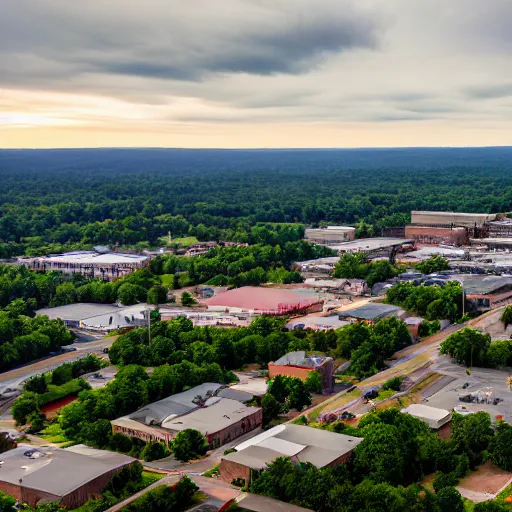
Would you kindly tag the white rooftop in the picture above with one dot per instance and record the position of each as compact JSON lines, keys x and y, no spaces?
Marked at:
{"x":432,"y":416}
{"x":94,"y":258}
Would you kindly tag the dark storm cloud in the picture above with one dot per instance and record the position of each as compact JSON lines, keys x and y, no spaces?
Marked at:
{"x":169,"y":40}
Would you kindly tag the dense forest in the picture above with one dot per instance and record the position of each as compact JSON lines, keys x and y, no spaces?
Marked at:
{"x":57,"y":199}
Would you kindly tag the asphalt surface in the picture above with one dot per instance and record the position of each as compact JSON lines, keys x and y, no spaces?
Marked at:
{"x":13,"y":378}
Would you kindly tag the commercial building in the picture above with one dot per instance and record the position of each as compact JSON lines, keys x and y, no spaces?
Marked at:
{"x":318,"y":265}
{"x":298,"y":364}
{"x":435,"y":418}
{"x":217,"y":412}
{"x":316,"y":322}
{"x":378,"y":245}
{"x":485,"y":292}
{"x":69,"y":477}
{"x":330,"y":234}
{"x":299,"y":443}
{"x":448,"y":219}
{"x":262,"y":300}
{"x":447,"y":227}
{"x":372,"y":312}
{"x":88,"y":263}
{"x":437,"y":235}
{"x":504,"y":244}
{"x":98,"y":317}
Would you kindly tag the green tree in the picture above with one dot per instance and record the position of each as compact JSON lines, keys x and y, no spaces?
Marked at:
{"x":36,"y":384}
{"x":62,"y":374}
{"x":189,"y":444}
{"x":154,"y":450}
{"x":506,"y":316}
{"x":270,"y":408}
{"x":278,"y":388}
{"x":187,"y":299}
{"x":433,"y":264}
{"x":490,"y":506}
{"x":449,"y":500}
{"x":157,"y":295}
{"x":471,"y":435}
{"x":24,"y":406}
{"x":500,"y":353}
{"x":313,"y":382}
{"x":380,"y":454}
{"x":129,"y":294}
{"x":467,"y":347}
{"x":7,"y":503}
{"x":298,"y":397}
{"x":500,"y":447}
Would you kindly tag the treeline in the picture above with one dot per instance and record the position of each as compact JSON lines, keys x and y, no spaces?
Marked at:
{"x":356,"y":266}
{"x":470,"y":347}
{"x":430,"y":302}
{"x":59,"y":199}
{"x":41,"y":389}
{"x":369,"y":346}
{"x":241,"y":265}
{"x":396,"y":453}
{"x":24,"y":339}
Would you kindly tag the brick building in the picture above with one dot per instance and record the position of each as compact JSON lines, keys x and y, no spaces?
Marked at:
{"x":217,"y":412}
{"x":299,"y":443}
{"x":70,"y":477}
{"x":297,"y":364}
{"x":437,"y":235}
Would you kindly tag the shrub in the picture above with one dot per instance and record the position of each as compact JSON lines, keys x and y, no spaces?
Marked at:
{"x":36,"y":384}
{"x":120,"y":443}
{"x":443,"y":480}
{"x":189,"y":444}
{"x":154,"y":450}
{"x":393,"y":384}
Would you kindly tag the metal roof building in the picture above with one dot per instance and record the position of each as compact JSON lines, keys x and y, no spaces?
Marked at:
{"x":302,"y":444}
{"x":435,"y":418}
{"x":450,"y":218}
{"x":70,"y":477}
{"x":371,"y":311}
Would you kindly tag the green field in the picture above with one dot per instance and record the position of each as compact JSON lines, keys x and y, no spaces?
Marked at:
{"x":186,"y":241}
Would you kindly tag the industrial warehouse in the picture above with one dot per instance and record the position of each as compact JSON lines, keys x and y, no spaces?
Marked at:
{"x":98,"y":263}
{"x":299,"y":443}
{"x":69,"y":477}
{"x":217,"y":412}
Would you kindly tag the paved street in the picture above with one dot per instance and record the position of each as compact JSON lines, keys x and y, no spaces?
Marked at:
{"x":15,"y":377}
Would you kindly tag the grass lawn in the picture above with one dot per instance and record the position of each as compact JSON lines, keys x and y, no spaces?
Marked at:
{"x":54,"y":434}
{"x":186,"y":241}
{"x":167,"y":280}
{"x":503,"y":495}
{"x":148,"y":478}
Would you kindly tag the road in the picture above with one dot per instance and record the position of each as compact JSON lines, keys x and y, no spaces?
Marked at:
{"x":14,"y":378}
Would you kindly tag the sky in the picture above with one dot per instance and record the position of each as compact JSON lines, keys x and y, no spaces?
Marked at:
{"x":255,"y":73}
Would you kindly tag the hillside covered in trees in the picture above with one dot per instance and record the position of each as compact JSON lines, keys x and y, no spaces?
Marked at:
{"x":58,"y":199}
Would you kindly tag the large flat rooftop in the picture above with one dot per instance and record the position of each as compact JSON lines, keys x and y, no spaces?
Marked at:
{"x":370,"y":311}
{"x":319,"y":447}
{"x":57,"y":471}
{"x":370,"y":244}
{"x":261,"y":299}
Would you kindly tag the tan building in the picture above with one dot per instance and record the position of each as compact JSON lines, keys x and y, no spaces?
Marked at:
{"x":448,"y":219}
{"x":330,"y":234}
{"x":217,"y":412}
{"x":437,"y":235}
{"x":299,"y":443}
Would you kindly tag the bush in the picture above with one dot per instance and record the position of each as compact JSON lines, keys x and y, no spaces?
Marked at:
{"x":62,"y":374}
{"x":24,"y":406}
{"x":393,"y":384}
{"x":313,"y":382}
{"x":443,"y":480}
{"x":189,"y":444}
{"x":449,"y":500}
{"x":120,"y":443}
{"x":427,"y":328}
{"x":270,"y":408}
{"x":36,"y":384}
{"x":154,"y":450}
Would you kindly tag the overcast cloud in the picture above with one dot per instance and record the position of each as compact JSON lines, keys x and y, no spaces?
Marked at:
{"x":205,"y":73}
